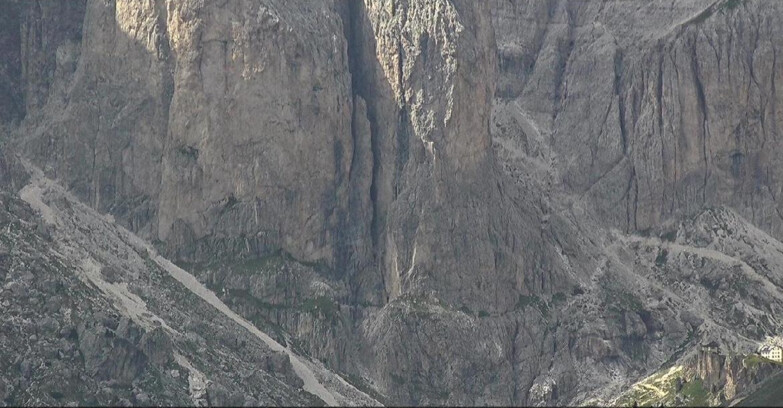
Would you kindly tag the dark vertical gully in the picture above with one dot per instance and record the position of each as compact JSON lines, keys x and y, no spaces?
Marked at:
{"x":659,"y":115}
{"x":564,"y":55}
{"x":618,"y":87}
{"x":702,"y":101}
{"x":352,"y":230}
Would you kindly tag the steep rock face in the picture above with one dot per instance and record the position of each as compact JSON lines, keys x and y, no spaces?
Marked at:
{"x":142,"y":129}
{"x":12,"y":175}
{"x":35,"y":38}
{"x":395,"y":184}
{"x":355,"y":138}
{"x":423,"y":74}
{"x":259,"y":129}
{"x":372,"y":158}
{"x":656,"y":111}
{"x":641,"y":115}
{"x":10,"y":68}
{"x":368,"y":152}
{"x":730,"y":376}
{"x":49,"y":32}
{"x":444,"y":219}
{"x":102,"y":129}
{"x":426,"y":77}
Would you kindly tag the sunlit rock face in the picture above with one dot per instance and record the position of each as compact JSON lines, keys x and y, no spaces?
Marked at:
{"x":458,"y":202}
{"x":181,"y":119}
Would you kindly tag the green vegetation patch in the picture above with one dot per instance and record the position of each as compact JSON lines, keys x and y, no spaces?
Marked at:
{"x":189,"y":152}
{"x":770,"y":394}
{"x":659,"y":388}
{"x":619,"y":299}
{"x":740,"y":285}
{"x":635,"y":349}
{"x":669,"y":236}
{"x":732,"y":4}
{"x":663,"y":256}
{"x":670,"y":387}
{"x":321,"y":306}
{"x":694,"y":393}
{"x":533,"y":300}
{"x":753,"y":360}
{"x":620,"y":302}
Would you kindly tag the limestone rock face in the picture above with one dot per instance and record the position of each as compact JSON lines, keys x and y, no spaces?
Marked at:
{"x":372,"y":157}
{"x":103,"y":126}
{"x":258,"y":141}
{"x":424,"y":194}
{"x":50,"y":33}
{"x":12,"y":175}
{"x":181,"y":119}
{"x":11,"y":102}
{"x":426,"y":76}
{"x":655,"y":111}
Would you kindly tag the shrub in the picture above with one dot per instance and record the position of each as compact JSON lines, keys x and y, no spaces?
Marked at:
{"x":662,"y":257}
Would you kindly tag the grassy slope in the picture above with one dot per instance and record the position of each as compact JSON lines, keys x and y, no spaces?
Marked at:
{"x":770,"y":394}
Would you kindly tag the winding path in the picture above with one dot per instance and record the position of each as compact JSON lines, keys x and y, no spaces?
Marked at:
{"x":709,"y":254}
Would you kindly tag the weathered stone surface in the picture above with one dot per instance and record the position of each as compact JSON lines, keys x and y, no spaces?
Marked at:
{"x":11,"y":100}
{"x":219,"y":396}
{"x":655,"y":111}
{"x":258,"y":139}
{"x":438,"y":179}
{"x":157,"y":346}
{"x":103,"y":126}
{"x":3,"y":389}
{"x":105,"y":343}
{"x":199,"y":86}
{"x":12,"y":174}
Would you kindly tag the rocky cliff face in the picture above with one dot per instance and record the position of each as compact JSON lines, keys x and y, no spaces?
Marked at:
{"x":302,"y":162}
{"x":10,"y":81}
{"x":93,"y":315}
{"x":370,"y":157}
{"x":424,"y":193}
{"x":708,"y":378}
{"x":653,"y":112}
{"x":729,"y":376}
{"x":144,"y":131}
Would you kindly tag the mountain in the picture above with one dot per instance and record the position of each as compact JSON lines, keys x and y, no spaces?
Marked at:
{"x":368,"y":202}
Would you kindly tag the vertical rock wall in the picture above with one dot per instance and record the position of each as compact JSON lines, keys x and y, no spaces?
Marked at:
{"x":11,"y":101}
{"x":259,"y":138}
{"x":653,"y":112}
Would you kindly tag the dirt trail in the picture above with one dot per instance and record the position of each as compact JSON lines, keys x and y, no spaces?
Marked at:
{"x":709,"y":254}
